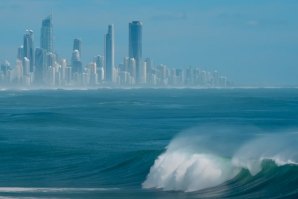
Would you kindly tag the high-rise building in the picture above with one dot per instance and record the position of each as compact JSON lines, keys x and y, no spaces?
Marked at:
{"x":20,"y":53}
{"x":135,"y":45}
{"x":28,"y":48}
{"x":132,"y":69}
{"x":143,"y":73}
{"x":149,"y":66}
{"x":19,"y":71}
{"x":46,"y":38}
{"x":5,"y":67}
{"x":26,"y":66}
{"x":99,"y":60}
{"x":40,"y":65}
{"x":77,"y":45}
{"x":109,"y":54}
{"x":126,"y":64}
{"x":93,"y":74}
{"x":76,"y":63}
{"x":51,"y":59}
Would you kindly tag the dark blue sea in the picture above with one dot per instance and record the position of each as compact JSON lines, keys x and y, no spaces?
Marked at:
{"x":149,"y":143}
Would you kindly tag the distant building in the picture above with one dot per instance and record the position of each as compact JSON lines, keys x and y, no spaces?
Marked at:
{"x":126,"y":64}
{"x":5,"y":67}
{"x":149,"y":66}
{"x":132,"y":70}
{"x":99,"y":60}
{"x":51,"y":59}
{"x":76,"y":64}
{"x":77,"y":45}
{"x":92,"y":74}
{"x":109,"y":54}
{"x":135,"y":46}
{"x":20,"y":54}
{"x":18,"y":71}
{"x":28,"y":48}
{"x":46,"y":38}
{"x":26,"y":66}
{"x":40,"y":65}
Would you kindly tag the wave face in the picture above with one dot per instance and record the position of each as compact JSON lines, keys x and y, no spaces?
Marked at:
{"x":262,"y":165}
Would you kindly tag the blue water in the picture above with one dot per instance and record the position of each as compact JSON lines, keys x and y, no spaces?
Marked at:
{"x":149,"y":143}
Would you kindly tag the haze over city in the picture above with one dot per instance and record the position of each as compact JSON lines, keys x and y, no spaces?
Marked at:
{"x":253,"y":43}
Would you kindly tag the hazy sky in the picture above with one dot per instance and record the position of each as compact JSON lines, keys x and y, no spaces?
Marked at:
{"x":253,"y":42}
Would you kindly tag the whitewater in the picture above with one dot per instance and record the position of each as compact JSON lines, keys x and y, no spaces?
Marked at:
{"x":149,"y":143}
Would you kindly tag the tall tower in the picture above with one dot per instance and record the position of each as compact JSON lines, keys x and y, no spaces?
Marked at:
{"x":109,"y":54}
{"x":77,"y":45}
{"x":76,"y":64}
{"x":99,"y":60}
{"x":46,"y":37}
{"x":28,"y":48}
{"x":135,"y":45}
{"x":20,"y":53}
{"x":40,"y":65}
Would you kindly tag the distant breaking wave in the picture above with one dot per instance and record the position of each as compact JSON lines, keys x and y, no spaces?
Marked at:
{"x":221,"y":165}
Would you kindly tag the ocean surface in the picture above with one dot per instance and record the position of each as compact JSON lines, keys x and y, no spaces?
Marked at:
{"x":149,"y":143}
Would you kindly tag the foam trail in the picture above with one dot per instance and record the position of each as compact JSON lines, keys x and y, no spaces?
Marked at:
{"x":50,"y":190}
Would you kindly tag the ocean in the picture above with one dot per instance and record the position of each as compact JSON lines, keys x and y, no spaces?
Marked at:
{"x":149,"y":143}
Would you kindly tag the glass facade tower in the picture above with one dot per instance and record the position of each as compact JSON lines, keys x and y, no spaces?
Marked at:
{"x":46,"y":38}
{"x":109,"y":54}
{"x":135,"y":45}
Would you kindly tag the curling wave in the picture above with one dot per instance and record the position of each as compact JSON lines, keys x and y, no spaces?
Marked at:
{"x":194,"y":163}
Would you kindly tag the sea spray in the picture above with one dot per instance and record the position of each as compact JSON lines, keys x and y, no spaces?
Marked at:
{"x":282,"y":148}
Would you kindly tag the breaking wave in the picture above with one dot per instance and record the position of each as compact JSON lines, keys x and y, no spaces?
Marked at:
{"x":222,"y":164}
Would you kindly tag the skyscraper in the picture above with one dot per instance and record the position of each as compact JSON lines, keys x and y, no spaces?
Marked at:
{"x":46,"y":38}
{"x":20,"y":53}
{"x":109,"y":54}
{"x":26,"y":66}
{"x":40,"y":65}
{"x":77,"y":45}
{"x":28,"y":48}
{"x":135,"y":45}
{"x":76,"y":64}
{"x":99,"y":60}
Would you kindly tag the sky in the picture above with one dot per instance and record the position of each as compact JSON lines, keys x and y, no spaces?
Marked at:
{"x":254,"y":43}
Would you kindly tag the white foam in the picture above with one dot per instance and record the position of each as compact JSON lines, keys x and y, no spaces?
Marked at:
{"x":48,"y":190}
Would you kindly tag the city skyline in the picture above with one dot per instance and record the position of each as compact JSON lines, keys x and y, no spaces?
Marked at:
{"x":43,"y":67}
{"x":251,"y":47}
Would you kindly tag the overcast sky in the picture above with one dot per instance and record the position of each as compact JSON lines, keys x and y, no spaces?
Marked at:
{"x":253,"y":42}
